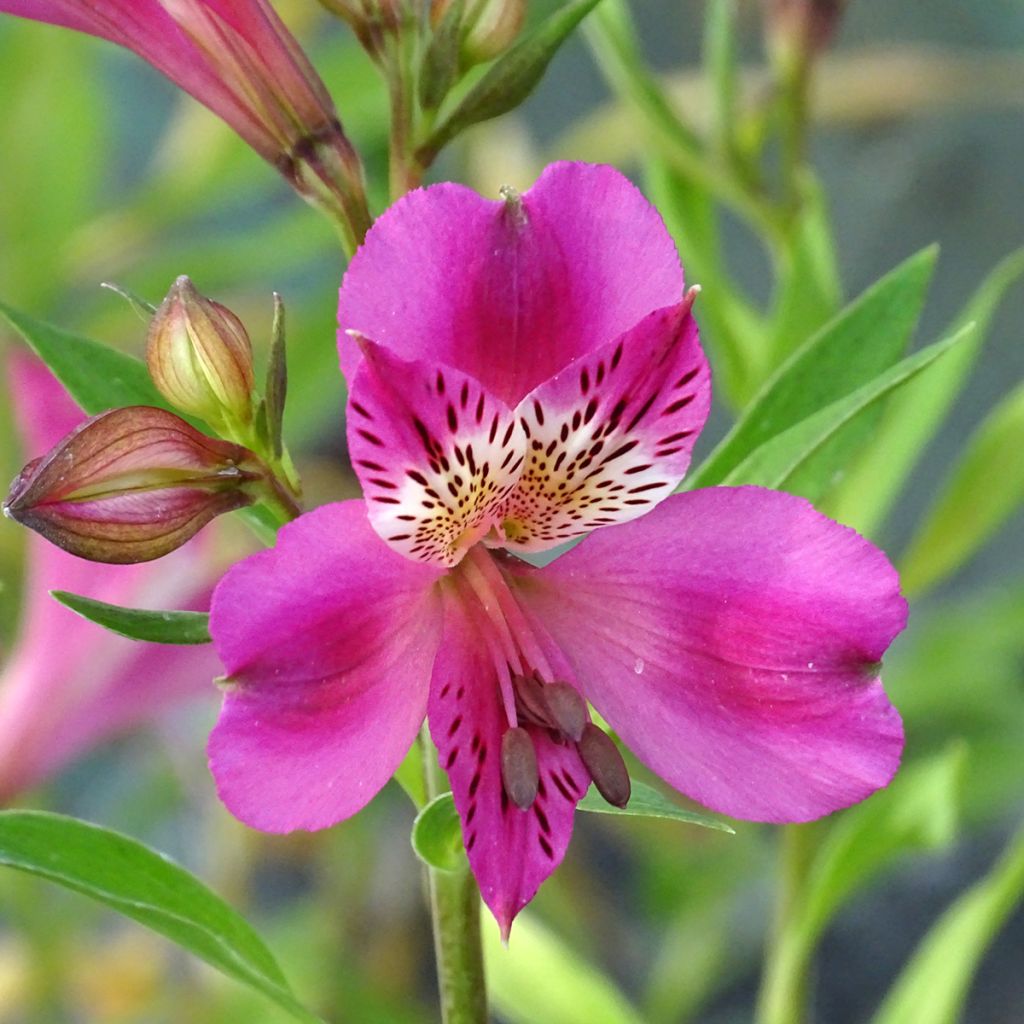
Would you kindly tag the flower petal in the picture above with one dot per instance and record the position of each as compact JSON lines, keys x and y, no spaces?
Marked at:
{"x":732,"y":638}
{"x":508,"y":293}
{"x":610,"y":435}
{"x":511,"y":851}
{"x":328,"y":641}
{"x":435,"y":452}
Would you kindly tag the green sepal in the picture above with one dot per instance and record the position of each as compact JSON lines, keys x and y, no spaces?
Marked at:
{"x":437,"y":834}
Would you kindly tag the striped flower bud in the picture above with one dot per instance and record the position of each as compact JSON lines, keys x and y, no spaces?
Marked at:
{"x":131,"y":485}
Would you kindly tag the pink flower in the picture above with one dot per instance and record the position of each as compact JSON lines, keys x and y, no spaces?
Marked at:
{"x":534,"y":375}
{"x":67,"y":684}
{"x":237,"y":58}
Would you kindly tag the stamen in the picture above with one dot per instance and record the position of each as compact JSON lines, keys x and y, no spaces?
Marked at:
{"x":531,"y":702}
{"x":519,"y":774}
{"x":605,"y":764}
{"x":568,"y":709}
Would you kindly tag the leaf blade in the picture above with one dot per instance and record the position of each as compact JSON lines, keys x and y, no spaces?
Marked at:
{"x":155,"y":627}
{"x":648,"y":802}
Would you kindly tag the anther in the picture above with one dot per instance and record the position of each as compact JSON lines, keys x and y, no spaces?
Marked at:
{"x":531,"y":700}
{"x":605,"y":764}
{"x":519,"y":767}
{"x":568,"y":709}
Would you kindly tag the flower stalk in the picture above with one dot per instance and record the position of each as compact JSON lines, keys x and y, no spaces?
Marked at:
{"x":455,"y":915}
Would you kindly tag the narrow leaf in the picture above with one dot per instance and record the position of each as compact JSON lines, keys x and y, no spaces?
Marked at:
{"x":96,"y":376}
{"x":865,"y":339}
{"x":806,"y":458}
{"x":539,"y":977}
{"x":140,"y":624}
{"x":648,"y":802}
{"x":276,"y":391}
{"x":934,"y":985}
{"x":144,"y":885}
{"x":437,"y":834}
{"x":876,"y":479}
{"x":513,"y":76}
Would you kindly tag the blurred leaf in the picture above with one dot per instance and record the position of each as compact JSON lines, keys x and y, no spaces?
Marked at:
{"x":437,"y":834}
{"x":806,"y":458}
{"x":721,"y":63}
{"x":538,"y":978}
{"x":647,"y":802}
{"x":918,"y":811}
{"x":155,"y":627}
{"x":876,"y":478}
{"x":808,"y":292}
{"x":985,"y":488}
{"x":95,"y":376}
{"x":865,"y":339}
{"x":932,"y":988}
{"x":512,"y":77}
{"x":144,"y":885}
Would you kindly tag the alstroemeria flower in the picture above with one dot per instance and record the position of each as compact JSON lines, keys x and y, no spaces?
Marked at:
{"x":237,"y":58}
{"x":522,"y":373}
{"x":68,"y":684}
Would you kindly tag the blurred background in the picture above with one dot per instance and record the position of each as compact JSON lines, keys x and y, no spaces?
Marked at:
{"x":109,"y":174}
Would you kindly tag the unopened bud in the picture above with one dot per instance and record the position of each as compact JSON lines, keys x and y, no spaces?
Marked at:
{"x":489,"y":27}
{"x":130,"y":485}
{"x":605,"y":764}
{"x":519,"y":774}
{"x":200,"y":358}
{"x":797,"y":30}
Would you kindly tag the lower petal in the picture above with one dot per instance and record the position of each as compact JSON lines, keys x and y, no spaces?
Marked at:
{"x":732,"y":638}
{"x":327,"y":640}
{"x":511,"y":851}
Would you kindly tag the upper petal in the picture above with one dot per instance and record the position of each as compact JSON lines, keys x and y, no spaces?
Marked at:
{"x":510,"y":294}
{"x":732,"y":638}
{"x":435,"y":452}
{"x":610,"y":436}
{"x":328,"y":640}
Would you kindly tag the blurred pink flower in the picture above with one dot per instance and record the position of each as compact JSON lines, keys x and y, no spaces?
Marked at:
{"x":67,"y":684}
{"x":535,"y":374}
{"x":237,"y":58}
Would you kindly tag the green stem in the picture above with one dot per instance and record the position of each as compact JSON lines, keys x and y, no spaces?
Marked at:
{"x":404,"y":170}
{"x":455,"y":911}
{"x":784,"y":984}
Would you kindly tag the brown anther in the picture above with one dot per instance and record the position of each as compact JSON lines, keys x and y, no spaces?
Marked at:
{"x":519,"y":767}
{"x":605,"y":764}
{"x":531,"y":701}
{"x":568,"y":709}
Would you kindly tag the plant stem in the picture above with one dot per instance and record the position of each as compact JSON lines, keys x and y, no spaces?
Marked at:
{"x":455,"y":911}
{"x":784,"y":984}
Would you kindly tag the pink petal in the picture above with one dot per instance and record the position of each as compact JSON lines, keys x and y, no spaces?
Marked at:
{"x":511,"y":851}
{"x":435,"y":453}
{"x":732,"y":638}
{"x":610,"y":435}
{"x":448,"y":276}
{"x":327,"y":640}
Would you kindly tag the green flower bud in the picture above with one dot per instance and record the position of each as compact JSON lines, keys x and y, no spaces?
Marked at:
{"x":489,"y":26}
{"x":200,"y":359}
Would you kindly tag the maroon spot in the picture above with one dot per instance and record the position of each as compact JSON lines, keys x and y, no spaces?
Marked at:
{"x":372,"y":438}
{"x":470,"y":842}
{"x":643,"y":411}
{"x":474,"y":783}
{"x":471,"y":814}
{"x":619,"y":452}
{"x":360,"y":409}
{"x":464,"y":394}
{"x":386,"y":484}
{"x":440,"y":382}
{"x":560,"y":786}
{"x":454,"y":727}
{"x":386,"y":501}
{"x":591,"y":409}
{"x":412,"y":474}
{"x":446,"y":689}
{"x":648,"y":487}
{"x":676,"y":406}
{"x":400,"y":536}
{"x":584,"y":380}
{"x":600,"y":371}
{"x":686,"y":378}
{"x":508,"y":433}
{"x":375,"y":466}
{"x":450,"y":760}
{"x":617,"y":355}
{"x":542,"y":819}
{"x":678,"y":436}
{"x":545,"y":846}
{"x":453,"y":420}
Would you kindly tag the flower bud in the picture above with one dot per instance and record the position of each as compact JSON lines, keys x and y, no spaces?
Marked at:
{"x":131,"y":485}
{"x":797,"y":30}
{"x":489,"y":26}
{"x":200,"y":358}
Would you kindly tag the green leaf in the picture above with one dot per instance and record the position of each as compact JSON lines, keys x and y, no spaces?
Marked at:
{"x":806,"y":458}
{"x":437,"y":834}
{"x":865,"y":339}
{"x":139,"y":624}
{"x":276,"y":391}
{"x":932,"y":988}
{"x":876,"y":478}
{"x":512,"y":77}
{"x":147,"y":887}
{"x":440,"y":67}
{"x":538,"y":977}
{"x":96,"y":376}
{"x":648,"y":802}
{"x":985,"y":488}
